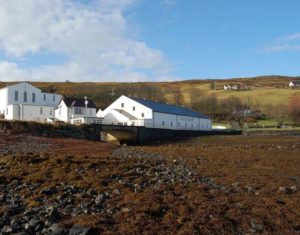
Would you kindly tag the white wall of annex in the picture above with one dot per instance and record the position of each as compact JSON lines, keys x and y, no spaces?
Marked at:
{"x":164,"y":121}
{"x":29,"y":112}
{"x":3,"y":99}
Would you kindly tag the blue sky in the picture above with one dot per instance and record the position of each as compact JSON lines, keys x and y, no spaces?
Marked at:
{"x":223,"y":38}
{"x":148,"y":40}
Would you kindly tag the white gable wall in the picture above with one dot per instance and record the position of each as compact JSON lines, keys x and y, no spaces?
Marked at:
{"x":126,"y":110}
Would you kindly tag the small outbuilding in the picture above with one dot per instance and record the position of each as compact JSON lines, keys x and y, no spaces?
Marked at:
{"x":294,"y":84}
{"x":76,"y":111}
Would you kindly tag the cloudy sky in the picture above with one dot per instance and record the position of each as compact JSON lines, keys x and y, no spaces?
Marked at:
{"x":147,"y":40}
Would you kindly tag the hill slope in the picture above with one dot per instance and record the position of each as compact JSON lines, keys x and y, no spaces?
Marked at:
{"x":265,"y":90}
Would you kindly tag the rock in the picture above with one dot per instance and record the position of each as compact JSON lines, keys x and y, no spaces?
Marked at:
{"x":250,"y":189}
{"x":78,"y":230}
{"x":282,"y":189}
{"x":27,"y":226}
{"x":292,"y":189}
{"x":33,"y":223}
{"x":137,"y":188}
{"x":55,"y":229}
{"x":7,"y":229}
{"x":125,"y":210}
{"x":117,"y":192}
{"x":257,"y":227}
{"x":288,"y":190}
{"x":15,"y":225}
{"x":48,"y":192}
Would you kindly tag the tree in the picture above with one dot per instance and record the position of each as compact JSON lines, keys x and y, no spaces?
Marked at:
{"x":213,"y":85}
{"x":233,"y":109}
{"x":206,"y":104}
{"x":294,"y":108}
{"x":278,"y":112}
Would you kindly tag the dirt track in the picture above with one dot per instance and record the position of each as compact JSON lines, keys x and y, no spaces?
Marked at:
{"x":209,"y":185}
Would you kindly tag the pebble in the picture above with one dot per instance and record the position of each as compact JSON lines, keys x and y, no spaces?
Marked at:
{"x":78,"y":230}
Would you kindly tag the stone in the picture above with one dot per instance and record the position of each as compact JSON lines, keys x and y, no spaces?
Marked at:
{"x":125,"y":209}
{"x":6,"y":229}
{"x":117,"y":192}
{"x":78,"y":230}
{"x":282,"y":189}
{"x":55,"y":229}
{"x":15,"y":225}
{"x":48,"y":192}
{"x":34,"y":222}
{"x":292,"y":189}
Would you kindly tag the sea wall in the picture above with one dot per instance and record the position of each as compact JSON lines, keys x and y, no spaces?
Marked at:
{"x":89,"y":132}
{"x":272,"y":133}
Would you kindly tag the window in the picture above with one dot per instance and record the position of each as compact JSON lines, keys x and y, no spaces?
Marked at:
{"x":77,"y":110}
{"x":192,"y":125}
{"x":41,"y":111}
{"x":53,"y":98}
{"x":178,"y":123}
{"x":44,"y":97}
{"x":90,"y":113}
{"x":163,"y":123}
{"x":133,"y":108}
{"x":50,"y":112}
{"x":171,"y":123}
{"x":185,"y":125}
{"x":25,"y":96}
{"x":33,"y":97}
{"x":122,"y":105}
{"x":143,"y":115}
{"x":16,"y":95}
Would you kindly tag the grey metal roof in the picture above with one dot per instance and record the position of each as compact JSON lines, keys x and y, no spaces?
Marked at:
{"x":171,"y":109}
{"x":73,"y":102}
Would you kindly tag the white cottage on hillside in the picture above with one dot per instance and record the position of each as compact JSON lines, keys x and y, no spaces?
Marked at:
{"x":294,"y":84}
{"x":23,"y":101}
{"x":76,"y":111}
{"x":140,"y":112}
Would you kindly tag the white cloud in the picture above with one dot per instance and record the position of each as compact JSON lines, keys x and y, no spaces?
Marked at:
{"x":288,"y":43}
{"x":283,"y":47}
{"x":292,"y":37}
{"x":95,"y":37}
{"x":168,"y":3}
{"x":11,"y":72}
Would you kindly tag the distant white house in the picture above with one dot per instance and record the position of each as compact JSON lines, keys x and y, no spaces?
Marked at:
{"x":140,"y":112}
{"x":294,"y":84}
{"x":23,"y":101}
{"x":76,"y":111}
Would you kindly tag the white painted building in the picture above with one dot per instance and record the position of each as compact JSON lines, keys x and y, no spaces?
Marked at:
{"x":294,"y":84}
{"x":76,"y":111}
{"x":140,"y":112}
{"x":23,"y":101}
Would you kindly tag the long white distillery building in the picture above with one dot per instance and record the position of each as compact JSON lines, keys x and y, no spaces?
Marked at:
{"x":140,"y":112}
{"x":23,"y":101}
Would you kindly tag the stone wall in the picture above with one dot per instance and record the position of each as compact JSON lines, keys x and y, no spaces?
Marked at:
{"x":272,"y":133}
{"x":89,"y":132}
